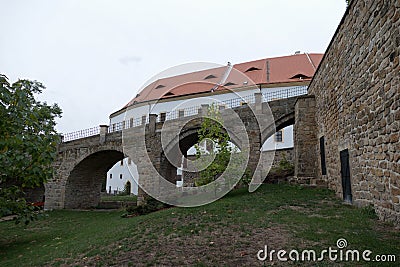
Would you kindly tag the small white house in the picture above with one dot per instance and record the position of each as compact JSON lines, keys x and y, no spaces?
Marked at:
{"x":121,"y":176}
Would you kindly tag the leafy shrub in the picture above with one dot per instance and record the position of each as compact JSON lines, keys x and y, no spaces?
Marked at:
{"x":280,"y":172}
{"x":284,"y":164}
{"x":150,"y":206}
{"x":246,"y":178}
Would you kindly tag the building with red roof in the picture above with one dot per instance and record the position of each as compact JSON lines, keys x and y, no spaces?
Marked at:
{"x":183,"y":93}
{"x":291,"y":70}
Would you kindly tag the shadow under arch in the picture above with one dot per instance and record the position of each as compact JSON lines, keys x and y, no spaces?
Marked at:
{"x":84,"y":182}
{"x":280,"y":123}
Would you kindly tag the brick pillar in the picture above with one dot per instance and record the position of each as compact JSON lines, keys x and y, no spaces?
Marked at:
{"x":141,"y":197}
{"x":204,"y":110}
{"x":258,"y":102}
{"x":152,"y":123}
{"x":305,"y":141}
{"x":163,"y":116}
{"x":54,"y":195}
{"x":103,"y":133}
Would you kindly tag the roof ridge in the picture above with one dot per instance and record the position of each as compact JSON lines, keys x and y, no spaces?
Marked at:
{"x":191,"y":72}
{"x":273,"y":58}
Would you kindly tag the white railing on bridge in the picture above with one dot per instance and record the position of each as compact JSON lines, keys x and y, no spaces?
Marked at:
{"x":81,"y":134}
{"x":189,"y":111}
{"x":286,"y":93}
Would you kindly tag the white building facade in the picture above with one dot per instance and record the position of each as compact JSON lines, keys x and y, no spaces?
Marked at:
{"x":121,"y":178}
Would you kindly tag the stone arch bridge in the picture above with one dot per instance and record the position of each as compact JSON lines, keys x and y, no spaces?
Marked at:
{"x":82,"y":164}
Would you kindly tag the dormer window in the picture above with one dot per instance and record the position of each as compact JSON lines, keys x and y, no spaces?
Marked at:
{"x":210,"y":77}
{"x":300,"y":76}
{"x":229,"y":84}
{"x":160,"y":86}
{"x":252,"y":69}
{"x":169,"y":94}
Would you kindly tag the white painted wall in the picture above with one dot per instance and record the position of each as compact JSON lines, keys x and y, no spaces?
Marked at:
{"x":287,"y":140}
{"x":138,"y":112}
{"x":160,"y":107}
{"x":128,"y":172}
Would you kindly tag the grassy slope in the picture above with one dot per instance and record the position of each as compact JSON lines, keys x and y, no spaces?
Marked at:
{"x":227,"y":232}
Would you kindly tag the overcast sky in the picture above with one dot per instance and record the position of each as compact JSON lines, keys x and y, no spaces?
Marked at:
{"x":93,"y":56}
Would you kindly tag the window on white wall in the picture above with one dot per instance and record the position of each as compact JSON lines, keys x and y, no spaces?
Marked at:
{"x":120,"y":176}
{"x":110,"y":175}
{"x":122,"y":162}
{"x":129,"y":161}
{"x":279,"y":136}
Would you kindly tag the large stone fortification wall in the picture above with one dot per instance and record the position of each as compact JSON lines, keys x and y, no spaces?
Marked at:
{"x":358,"y":105}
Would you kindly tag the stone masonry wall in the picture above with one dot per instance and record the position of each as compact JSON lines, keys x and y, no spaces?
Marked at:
{"x":304,"y":141}
{"x":285,"y":153}
{"x":358,"y":105}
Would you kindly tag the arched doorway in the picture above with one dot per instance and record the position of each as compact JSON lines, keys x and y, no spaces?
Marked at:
{"x":128,"y":188}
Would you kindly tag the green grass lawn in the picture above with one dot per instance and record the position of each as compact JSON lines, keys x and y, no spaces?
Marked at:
{"x":228,"y":232}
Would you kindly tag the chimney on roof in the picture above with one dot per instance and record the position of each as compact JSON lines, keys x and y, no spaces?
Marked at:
{"x":297,"y":52}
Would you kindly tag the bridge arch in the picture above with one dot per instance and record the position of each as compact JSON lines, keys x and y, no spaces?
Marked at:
{"x":175,"y":152}
{"x":280,"y":123}
{"x":189,"y":136}
{"x":84,"y":183}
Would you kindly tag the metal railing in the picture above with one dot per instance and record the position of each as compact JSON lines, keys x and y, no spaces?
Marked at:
{"x":286,"y":93}
{"x":189,"y":111}
{"x":81,"y":134}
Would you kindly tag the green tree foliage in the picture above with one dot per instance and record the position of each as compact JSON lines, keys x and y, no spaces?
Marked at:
{"x":214,"y":142}
{"x":28,"y":141}
{"x":126,"y":191}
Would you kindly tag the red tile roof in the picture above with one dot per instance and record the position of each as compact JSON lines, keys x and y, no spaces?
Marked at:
{"x":293,"y":68}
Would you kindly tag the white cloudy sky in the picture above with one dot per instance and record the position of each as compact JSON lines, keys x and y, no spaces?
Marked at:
{"x":94,"y":55}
